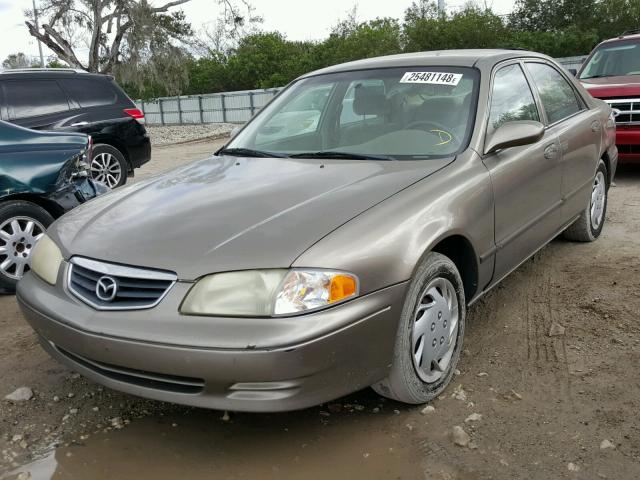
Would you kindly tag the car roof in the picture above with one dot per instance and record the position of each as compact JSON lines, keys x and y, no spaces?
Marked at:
{"x":23,"y":73}
{"x":631,"y":35}
{"x":453,"y":58}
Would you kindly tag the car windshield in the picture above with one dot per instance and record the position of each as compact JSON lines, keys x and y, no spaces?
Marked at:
{"x":393,"y":113}
{"x":613,"y":59}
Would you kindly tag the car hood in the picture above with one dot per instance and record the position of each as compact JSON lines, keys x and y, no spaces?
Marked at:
{"x":620,"y":86}
{"x":228,"y":213}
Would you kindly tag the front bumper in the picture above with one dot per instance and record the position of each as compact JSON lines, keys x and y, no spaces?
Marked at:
{"x":77,"y":192}
{"x":296,"y":372}
{"x":628,"y":143}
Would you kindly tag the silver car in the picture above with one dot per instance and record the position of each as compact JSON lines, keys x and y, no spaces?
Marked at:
{"x":304,"y":263}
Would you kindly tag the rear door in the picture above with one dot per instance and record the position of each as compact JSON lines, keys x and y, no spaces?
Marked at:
{"x":95,"y":98}
{"x":34,"y":103}
{"x":526,"y":180}
{"x":579,"y":130}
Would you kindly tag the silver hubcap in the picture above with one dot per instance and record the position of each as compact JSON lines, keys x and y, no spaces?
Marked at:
{"x":435,"y":329}
{"x":105,"y":168}
{"x":598,"y":195}
{"x":18,"y":236}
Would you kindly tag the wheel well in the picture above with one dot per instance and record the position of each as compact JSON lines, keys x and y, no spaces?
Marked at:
{"x":460,"y":251}
{"x":118,"y":146}
{"x":51,"y":207}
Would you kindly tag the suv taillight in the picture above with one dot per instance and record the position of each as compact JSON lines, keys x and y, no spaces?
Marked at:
{"x":135,"y":113}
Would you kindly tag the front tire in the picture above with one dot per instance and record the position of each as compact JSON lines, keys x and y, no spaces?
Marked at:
{"x":429,"y":338}
{"x":109,"y":166}
{"x":588,"y":226}
{"x":22,"y":224}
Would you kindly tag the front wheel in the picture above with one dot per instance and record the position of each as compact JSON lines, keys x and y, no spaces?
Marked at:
{"x":430,"y":333}
{"x":22,"y":224}
{"x":588,"y":226}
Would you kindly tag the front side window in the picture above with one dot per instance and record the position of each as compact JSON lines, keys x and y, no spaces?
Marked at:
{"x":557,"y":96}
{"x":398,"y":113}
{"x":613,"y":59}
{"x":33,"y":98}
{"x":511,"y":98}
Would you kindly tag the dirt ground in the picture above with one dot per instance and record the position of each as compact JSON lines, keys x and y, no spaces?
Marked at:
{"x":546,"y":403}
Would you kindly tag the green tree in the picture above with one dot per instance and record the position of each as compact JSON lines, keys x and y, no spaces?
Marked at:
{"x":471,"y":27}
{"x":350,"y":40}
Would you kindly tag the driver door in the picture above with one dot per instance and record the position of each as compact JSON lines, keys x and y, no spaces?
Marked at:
{"x":527,"y":180}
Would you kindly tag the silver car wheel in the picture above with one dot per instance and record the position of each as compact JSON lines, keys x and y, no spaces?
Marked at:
{"x":598,"y":200}
{"x":435,"y":329}
{"x":105,"y":168}
{"x":18,"y":236}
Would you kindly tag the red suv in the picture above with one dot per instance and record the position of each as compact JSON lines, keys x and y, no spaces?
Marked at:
{"x":612,"y":73}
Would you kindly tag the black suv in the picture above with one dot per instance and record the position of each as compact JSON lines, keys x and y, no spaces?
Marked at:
{"x":73,"y":100}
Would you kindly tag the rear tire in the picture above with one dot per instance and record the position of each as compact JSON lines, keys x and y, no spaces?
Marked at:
{"x":21,"y":226}
{"x":109,"y":166}
{"x":588,"y":226}
{"x":429,"y":338}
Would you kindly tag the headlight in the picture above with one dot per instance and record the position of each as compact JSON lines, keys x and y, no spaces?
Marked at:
{"x":265,"y":293}
{"x":46,"y":259}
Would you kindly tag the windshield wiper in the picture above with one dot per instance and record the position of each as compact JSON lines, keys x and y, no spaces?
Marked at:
{"x":340,"y":155}
{"x":601,"y":75}
{"x":248,"y":152}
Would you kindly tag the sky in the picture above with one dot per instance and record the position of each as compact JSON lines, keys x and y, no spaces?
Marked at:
{"x":297,"y":19}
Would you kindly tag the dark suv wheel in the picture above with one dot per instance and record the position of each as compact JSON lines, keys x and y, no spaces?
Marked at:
{"x":109,"y":166}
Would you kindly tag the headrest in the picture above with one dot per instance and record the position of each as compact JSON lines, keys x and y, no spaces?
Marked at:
{"x":370,"y":101}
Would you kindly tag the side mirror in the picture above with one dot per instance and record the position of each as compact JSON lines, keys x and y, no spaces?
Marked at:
{"x":234,"y":132}
{"x":573,"y":71}
{"x":514,"y":134}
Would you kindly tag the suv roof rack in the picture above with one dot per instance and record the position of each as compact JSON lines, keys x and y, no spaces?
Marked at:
{"x":36,"y":70}
{"x":633,"y":31}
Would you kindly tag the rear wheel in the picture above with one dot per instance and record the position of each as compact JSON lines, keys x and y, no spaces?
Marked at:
{"x":430,"y":334}
{"x":588,"y":226}
{"x":109,"y":166}
{"x":22,"y":224}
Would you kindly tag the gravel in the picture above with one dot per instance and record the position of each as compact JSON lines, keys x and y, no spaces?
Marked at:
{"x":172,"y":134}
{"x":22,"y":394}
{"x":460,"y":437}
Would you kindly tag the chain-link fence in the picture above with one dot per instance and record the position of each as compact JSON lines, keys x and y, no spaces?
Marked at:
{"x":232,"y":107}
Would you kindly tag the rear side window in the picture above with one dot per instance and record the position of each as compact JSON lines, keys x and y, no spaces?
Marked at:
{"x":90,"y":92}
{"x":558,"y":97}
{"x":511,"y":98}
{"x":33,"y":98}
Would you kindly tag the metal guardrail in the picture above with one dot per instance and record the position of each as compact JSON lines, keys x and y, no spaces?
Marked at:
{"x":232,"y":107}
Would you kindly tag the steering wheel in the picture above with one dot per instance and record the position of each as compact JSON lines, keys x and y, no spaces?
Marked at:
{"x":434,"y":127}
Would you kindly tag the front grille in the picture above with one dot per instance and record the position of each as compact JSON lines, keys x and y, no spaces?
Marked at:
{"x":106,"y":286}
{"x":629,"y":149}
{"x":142,"y":378}
{"x":628,"y":110}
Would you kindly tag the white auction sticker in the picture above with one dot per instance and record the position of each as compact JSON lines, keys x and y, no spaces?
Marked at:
{"x":435,"y":78}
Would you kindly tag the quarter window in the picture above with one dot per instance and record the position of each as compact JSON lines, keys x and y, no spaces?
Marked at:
{"x":511,"y":99}
{"x":34,"y":98}
{"x":558,"y":97}
{"x":89,"y":92}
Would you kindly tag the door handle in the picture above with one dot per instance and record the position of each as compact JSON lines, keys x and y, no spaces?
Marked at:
{"x":79,"y":124}
{"x":551,"y":152}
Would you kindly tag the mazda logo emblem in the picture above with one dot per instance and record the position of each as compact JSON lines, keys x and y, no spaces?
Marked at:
{"x":106,"y":288}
